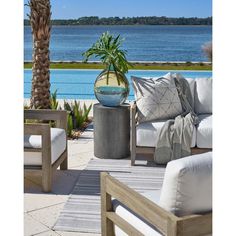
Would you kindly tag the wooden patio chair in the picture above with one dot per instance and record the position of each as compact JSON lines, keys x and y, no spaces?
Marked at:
{"x":127,"y":212}
{"x":45,"y":148}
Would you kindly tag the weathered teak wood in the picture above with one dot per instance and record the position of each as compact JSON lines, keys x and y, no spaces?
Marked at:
{"x":124,"y":225}
{"x":151,"y":150}
{"x":133,"y":133}
{"x":134,"y":149}
{"x":61,"y":161}
{"x":146,"y":150}
{"x":200,"y":150}
{"x":166,"y":222}
{"x":59,"y":116}
{"x":106,"y":206}
{"x":195,"y":225}
{"x":46,"y":160}
{"x":44,"y":130}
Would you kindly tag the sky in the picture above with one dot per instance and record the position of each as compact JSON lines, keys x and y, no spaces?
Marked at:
{"x":73,"y":9}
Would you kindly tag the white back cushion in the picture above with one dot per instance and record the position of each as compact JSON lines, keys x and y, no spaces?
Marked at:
{"x":192,"y":83}
{"x":203,"y":96}
{"x":187,"y":186}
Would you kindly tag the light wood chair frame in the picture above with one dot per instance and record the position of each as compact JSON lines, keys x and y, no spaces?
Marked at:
{"x":134,"y":149}
{"x":166,"y":222}
{"x":43,"y":129}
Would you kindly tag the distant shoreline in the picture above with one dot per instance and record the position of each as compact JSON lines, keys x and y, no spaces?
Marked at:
{"x":141,"y":20}
{"x":144,"y":65}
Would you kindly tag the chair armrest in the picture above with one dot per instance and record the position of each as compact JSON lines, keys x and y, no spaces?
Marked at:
{"x":45,"y":114}
{"x":166,"y":222}
{"x":36,"y":129}
{"x":133,"y":108}
{"x":133,"y":112}
{"x":151,"y":212}
{"x":195,"y":225}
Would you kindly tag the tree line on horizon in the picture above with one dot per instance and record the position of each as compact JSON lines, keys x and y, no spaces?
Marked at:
{"x":146,"y":20}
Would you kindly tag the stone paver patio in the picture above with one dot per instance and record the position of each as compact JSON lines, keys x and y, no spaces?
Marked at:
{"x":42,"y":210}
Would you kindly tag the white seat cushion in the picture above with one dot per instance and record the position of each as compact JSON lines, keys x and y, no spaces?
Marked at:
{"x":58,"y":146}
{"x":133,"y":219}
{"x":148,"y":134}
{"x":187,"y":185}
{"x":203,"y":96}
{"x":204,"y":131}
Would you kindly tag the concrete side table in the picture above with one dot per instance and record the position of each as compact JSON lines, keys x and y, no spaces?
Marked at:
{"x":111,"y":131}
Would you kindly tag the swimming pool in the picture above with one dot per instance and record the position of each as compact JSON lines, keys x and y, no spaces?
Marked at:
{"x":78,"y":84}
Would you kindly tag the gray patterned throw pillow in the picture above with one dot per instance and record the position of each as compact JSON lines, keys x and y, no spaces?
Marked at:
{"x":156,"y":98}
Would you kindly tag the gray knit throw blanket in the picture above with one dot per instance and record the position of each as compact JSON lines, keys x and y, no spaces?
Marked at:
{"x":176,"y":135}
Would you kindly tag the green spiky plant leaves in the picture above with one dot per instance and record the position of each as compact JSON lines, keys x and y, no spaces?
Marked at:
{"x":108,"y":50}
{"x":53,"y":101}
{"x":69,"y":124}
{"x":77,"y":115}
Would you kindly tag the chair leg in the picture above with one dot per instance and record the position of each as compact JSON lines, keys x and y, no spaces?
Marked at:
{"x":64,"y":164}
{"x":133,"y":156}
{"x":107,"y":226}
{"x":47,"y":180}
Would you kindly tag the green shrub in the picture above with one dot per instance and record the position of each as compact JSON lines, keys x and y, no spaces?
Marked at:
{"x":201,"y":64}
{"x":77,"y":115}
{"x":69,"y":125}
{"x":188,"y":63}
{"x":53,"y":101}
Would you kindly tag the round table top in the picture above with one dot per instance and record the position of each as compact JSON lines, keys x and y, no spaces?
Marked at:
{"x":123,"y":106}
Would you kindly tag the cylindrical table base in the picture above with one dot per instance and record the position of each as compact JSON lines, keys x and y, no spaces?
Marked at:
{"x":111,"y":131}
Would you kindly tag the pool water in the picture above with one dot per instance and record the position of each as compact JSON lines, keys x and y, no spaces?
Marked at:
{"x":78,"y":84}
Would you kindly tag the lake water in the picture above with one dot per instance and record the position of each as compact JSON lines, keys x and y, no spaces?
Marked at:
{"x":143,"y":43}
{"x":78,"y":84}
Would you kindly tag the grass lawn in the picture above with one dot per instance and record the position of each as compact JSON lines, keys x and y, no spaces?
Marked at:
{"x":136,"y":66}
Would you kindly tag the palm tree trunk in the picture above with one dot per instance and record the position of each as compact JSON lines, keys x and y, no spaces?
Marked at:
{"x":40,"y":16}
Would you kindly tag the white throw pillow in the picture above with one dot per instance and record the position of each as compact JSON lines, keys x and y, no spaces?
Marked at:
{"x":187,"y":186}
{"x":156,"y":98}
{"x":203,"y":96}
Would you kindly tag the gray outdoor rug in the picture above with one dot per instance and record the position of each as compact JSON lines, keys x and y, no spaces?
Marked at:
{"x":81,"y":213}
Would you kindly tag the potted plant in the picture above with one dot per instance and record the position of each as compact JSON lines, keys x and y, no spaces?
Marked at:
{"x":111,"y":87}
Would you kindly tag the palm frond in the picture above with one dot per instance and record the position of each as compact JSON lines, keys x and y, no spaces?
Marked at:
{"x":107,"y":49}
